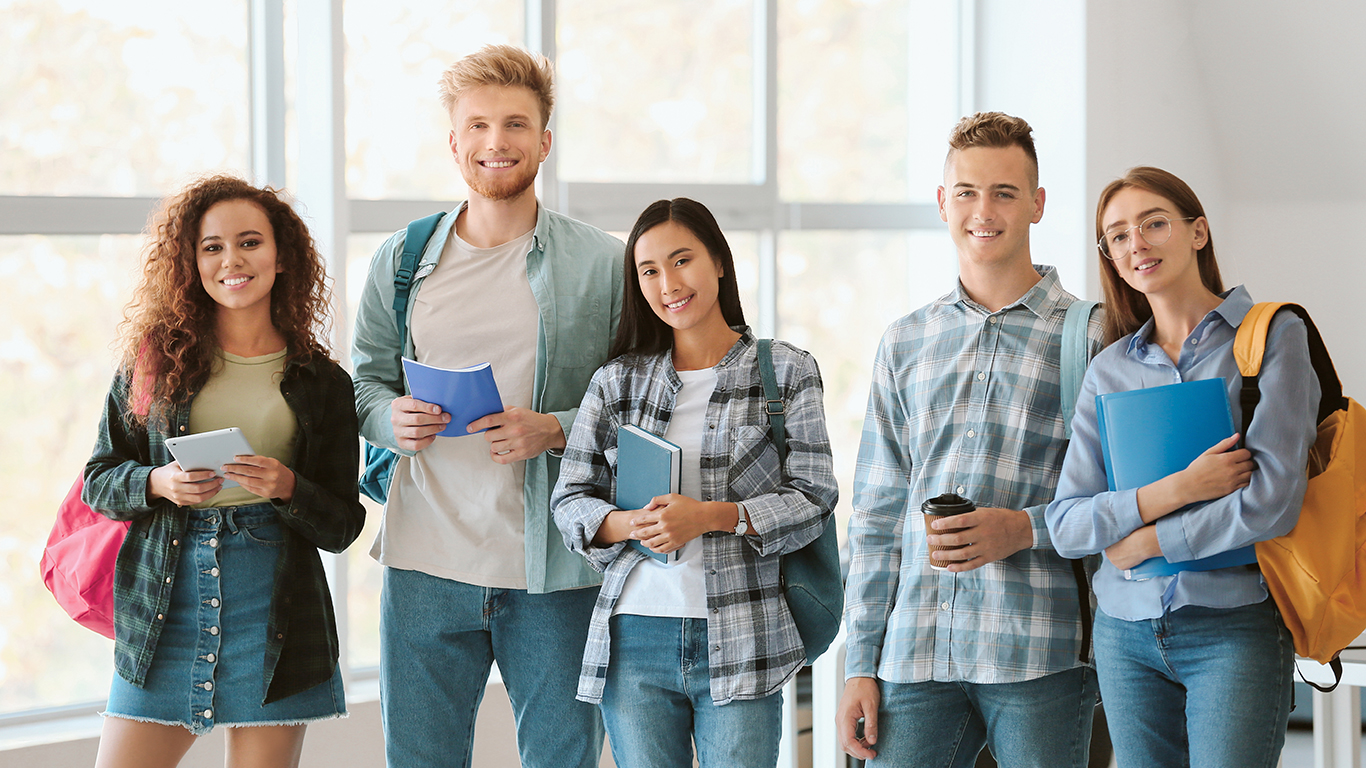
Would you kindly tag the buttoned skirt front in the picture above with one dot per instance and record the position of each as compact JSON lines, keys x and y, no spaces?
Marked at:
{"x":209,"y":664}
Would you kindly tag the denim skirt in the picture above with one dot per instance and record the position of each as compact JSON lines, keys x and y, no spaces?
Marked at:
{"x":209,"y":664}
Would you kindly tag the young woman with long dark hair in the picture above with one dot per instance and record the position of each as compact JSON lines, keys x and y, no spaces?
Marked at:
{"x":222,"y":615}
{"x":697,"y":651}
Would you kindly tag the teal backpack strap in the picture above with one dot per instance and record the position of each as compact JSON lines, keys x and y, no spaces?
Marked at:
{"x":379,"y":462}
{"x":773,"y":401}
{"x":1075,"y":357}
{"x":419,"y":232}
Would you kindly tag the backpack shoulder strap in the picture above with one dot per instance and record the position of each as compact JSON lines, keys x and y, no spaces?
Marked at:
{"x":1249,"y":346}
{"x":773,"y":405}
{"x":419,"y":232}
{"x":1076,"y":354}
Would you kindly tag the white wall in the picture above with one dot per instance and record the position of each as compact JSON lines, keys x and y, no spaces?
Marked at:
{"x":1259,"y":106}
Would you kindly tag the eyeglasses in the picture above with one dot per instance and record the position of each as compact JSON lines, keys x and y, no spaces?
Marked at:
{"x":1156,"y":230}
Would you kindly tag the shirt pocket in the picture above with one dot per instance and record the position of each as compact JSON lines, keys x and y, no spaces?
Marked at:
{"x":581,"y":336}
{"x":754,"y":467}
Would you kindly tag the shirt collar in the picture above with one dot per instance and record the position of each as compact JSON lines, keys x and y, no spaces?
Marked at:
{"x":1038,"y":299}
{"x":1234,"y":307}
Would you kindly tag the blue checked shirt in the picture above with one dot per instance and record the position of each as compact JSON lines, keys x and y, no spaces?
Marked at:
{"x":962,"y":400}
{"x":755,"y":648}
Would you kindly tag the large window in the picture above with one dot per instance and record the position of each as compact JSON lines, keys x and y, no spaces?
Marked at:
{"x":814,"y":130}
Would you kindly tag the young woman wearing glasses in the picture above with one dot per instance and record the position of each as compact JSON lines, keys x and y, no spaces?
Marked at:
{"x":1194,"y":667}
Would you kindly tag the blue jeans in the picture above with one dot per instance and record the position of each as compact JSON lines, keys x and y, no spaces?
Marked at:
{"x":1227,"y":669}
{"x":438,"y":640}
{"x":657,"y":702}
{"x":1045,"y":722}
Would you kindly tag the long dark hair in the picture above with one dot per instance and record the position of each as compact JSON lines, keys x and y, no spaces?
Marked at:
{"x":1126,"y":310}
{"x":641,"y":331}
{"x":168,"y":331}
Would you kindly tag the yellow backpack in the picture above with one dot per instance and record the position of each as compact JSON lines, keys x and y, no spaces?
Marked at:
{"x":1317,"y":572}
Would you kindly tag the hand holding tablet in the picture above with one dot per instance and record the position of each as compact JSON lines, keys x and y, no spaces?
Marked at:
{"x":210,"y":450}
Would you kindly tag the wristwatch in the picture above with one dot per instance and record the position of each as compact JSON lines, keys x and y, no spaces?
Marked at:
{"x":742,"y":527}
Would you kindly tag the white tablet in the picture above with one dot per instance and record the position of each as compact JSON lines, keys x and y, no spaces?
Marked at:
{"x":210,"y":450}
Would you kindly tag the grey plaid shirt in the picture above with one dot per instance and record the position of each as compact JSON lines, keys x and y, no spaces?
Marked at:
{"x":755,"y":647}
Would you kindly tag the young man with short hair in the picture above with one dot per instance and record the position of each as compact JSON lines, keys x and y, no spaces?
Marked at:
{"x":472,"y":572}
{"x":965,"y":399}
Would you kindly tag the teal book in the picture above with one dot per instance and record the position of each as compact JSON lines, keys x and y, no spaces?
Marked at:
{"x":467,"y":394}
{"x":1147,"y":434}
{"x":647,"y":466}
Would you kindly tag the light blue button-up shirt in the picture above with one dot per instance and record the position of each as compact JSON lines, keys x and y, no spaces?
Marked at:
{"x":967,"y":400}
{"x":1086,"y":518}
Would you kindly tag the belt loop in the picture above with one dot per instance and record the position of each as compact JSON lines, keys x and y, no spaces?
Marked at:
{"x":229,"y":519}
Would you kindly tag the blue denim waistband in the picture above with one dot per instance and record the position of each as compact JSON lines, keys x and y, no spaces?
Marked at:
{"x":232,"y":518}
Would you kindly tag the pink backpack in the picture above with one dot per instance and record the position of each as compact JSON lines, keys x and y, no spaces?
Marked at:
{"x":78,"y":561}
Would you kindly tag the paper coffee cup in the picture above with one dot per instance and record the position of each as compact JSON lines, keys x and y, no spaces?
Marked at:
{"x":941,"y":508}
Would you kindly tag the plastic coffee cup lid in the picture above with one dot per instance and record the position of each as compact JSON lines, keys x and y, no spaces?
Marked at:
{"x":947,"y":504}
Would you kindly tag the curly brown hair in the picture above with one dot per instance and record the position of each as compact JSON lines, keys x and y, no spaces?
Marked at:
{"x":168,"y":333}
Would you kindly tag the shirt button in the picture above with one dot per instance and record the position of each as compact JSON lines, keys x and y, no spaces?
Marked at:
{"x":208,"y":686}
{"x":211,"y":658}
{"x":182,"y":427}
{"x":208,"y":714}
{"x":716,"y":610}
{"x":959,"y":489}
{"x":213,"y":542}
{"x":160,"y":617}
{"x":944,"y":606}
{"x":279,"y":637}
{"x":168,"y":579}
{"x":707,"y":499}
{"x":213,"y":630}
{"x":716,"y":647}
{"x":213,"y":572}
{"x":992,"y":319}
{"x":214,"y":602}
{"x":175,"y":542}
{"x":981,"y":377}
{"x":711,"y":426}
{"x":972,"y":433}
{"x":1194,"y":342}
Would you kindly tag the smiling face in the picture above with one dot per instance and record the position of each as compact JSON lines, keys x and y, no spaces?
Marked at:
{"x":497,"y":140}
{"x":1147,"y":268}
{"x":989,"y":199}
{"x":679,"y":279}
{"x":236,"y":256}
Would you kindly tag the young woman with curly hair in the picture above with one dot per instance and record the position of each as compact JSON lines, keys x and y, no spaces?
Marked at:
{"x":222,"y":614}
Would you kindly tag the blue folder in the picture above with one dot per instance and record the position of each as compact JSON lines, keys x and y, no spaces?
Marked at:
{"x":647,"y":466}
{"x":1147,"y":434}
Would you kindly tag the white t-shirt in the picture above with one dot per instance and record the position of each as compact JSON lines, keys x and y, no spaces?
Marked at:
{"x":452,"y":511}
{"x":678,"y":589}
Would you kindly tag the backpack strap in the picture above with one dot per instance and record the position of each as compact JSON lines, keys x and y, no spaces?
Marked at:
{"x":1249,"y":346}
{"x":1072,"y":363}
{"x":1076,"y":355}
{"x":419,"y":232}
{"x":773,"y":402}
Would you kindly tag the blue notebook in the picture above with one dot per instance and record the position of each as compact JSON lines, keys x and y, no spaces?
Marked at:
{"x":1147,"y":434}
{"x":647,"y":466}
{"x":467,"y":394}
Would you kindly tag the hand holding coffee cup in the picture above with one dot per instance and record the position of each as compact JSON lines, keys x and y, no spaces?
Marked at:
{"x":943,"y":507}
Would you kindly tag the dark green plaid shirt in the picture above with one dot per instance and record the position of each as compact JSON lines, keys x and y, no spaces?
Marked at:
{"x":325,"y":513}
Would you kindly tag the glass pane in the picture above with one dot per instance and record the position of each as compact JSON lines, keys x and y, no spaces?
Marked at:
{"x":64,"y":300}
{"x":363,"y":573}
{"x":837,"y":293}
{"x":866,"y":97}
{"x":123,"y":98}
{"x":397,"y":136}
{"x":658,"y":91}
